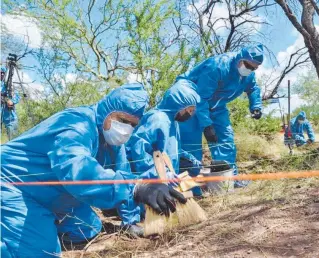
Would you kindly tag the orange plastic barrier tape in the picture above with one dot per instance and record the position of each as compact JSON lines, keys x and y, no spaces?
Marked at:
{"x":265,"y":176}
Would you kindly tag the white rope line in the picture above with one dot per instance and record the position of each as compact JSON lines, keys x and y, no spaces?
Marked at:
{"x":242,"y":162}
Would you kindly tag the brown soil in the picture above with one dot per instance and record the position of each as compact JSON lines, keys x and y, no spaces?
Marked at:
{"x":268,"y":219}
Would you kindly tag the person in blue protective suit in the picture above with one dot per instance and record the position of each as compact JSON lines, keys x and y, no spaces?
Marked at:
{"x":221,"y":79}
{"x":73,"y":145}
{"x":159,"y":130}
{"x":299,"y":125}
{"x":8,"y":114}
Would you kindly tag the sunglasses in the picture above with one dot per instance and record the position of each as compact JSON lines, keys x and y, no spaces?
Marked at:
{"x":249,"y":66}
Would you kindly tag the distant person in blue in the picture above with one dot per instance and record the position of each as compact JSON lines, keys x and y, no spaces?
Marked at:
{"x":219,"y":80}
{"x":8,"y":114}
{"x":299,"y":125}
{"x":84,"y":143}
{"x":159,"y":130}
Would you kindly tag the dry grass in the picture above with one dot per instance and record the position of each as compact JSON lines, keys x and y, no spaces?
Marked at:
{"x":267,"y":219}
{"x":253,"y":147}
{"x":250,"y":147}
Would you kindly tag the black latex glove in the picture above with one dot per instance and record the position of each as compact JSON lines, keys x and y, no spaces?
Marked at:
{"x":256,"y":114}
{"x":133,"y":231}
{"x":159,"y":197}
{"x":210,"y":134}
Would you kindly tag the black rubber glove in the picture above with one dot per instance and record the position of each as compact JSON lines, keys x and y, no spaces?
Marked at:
{"x":210,"y":134}
{"x":133,"y":231}
{"x":159,"y":197}
{"x":256,"y":114}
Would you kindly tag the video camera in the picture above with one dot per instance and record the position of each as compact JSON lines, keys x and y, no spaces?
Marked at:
{"x":12,"y":58}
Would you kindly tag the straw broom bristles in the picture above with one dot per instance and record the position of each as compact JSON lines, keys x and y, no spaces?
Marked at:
{"x":158,"y":224}
{"x":186,"y":214}
{"x":190,"y":213}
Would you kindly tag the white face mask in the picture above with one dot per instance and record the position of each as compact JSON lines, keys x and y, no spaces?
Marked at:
{"x":118,"y":134}
{"x":243,"y":71}
{"x":301,"y":121}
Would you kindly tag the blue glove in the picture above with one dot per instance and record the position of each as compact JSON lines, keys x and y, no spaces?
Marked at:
{"x":196,"y":167}
{"x":197,"y":164}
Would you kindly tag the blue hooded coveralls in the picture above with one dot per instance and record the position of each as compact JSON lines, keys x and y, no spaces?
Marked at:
{"x":158,"y":130}
{"x":218,"y":83}
{"x":68,"y":146}
{"x":9,"y":116}
{"x":297,"y":129}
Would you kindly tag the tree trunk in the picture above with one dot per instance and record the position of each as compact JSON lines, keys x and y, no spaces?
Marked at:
{"x":306,"y":28}
{"x":312,"y":43}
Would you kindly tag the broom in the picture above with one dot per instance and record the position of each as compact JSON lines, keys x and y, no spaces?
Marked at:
{"x":185,"y":215}
{"x":155,"y":223}
{"x":189,"y":213}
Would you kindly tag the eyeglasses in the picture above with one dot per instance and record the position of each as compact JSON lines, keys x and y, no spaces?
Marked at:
{"x":249,"y":66}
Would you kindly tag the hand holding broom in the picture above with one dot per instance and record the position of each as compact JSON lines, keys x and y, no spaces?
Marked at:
{"x":186,"y":213}
{"x":159,"y":197}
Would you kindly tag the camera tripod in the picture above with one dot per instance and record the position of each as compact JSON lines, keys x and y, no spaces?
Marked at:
{"x":10,"y":91}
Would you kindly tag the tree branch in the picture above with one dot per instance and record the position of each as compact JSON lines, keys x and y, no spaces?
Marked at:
{"x":293,"y":18}
{"x":315,"y":6}
{"x":289,"y":67}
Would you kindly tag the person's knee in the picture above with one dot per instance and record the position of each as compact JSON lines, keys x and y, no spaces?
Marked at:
{"x":28,"y":229}
{"x":96,"y":224}
{"x":80,"y":225}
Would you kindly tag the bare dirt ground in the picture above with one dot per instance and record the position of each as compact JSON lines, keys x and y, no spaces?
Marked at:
{"x":267,"y":219}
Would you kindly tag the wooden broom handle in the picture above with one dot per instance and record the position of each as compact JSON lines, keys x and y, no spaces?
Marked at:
{"x":159,"y":165}
{"x":168,"y":162}
{"x":160,"y":160}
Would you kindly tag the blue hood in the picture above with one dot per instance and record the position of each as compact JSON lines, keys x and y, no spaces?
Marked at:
{"x":301,"y":115}
{"x":253,"y":54}
{"x":128,"y":98}
{"x":178,"y":97}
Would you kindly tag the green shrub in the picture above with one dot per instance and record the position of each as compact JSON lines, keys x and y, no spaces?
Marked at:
{"x":242,"y":121}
